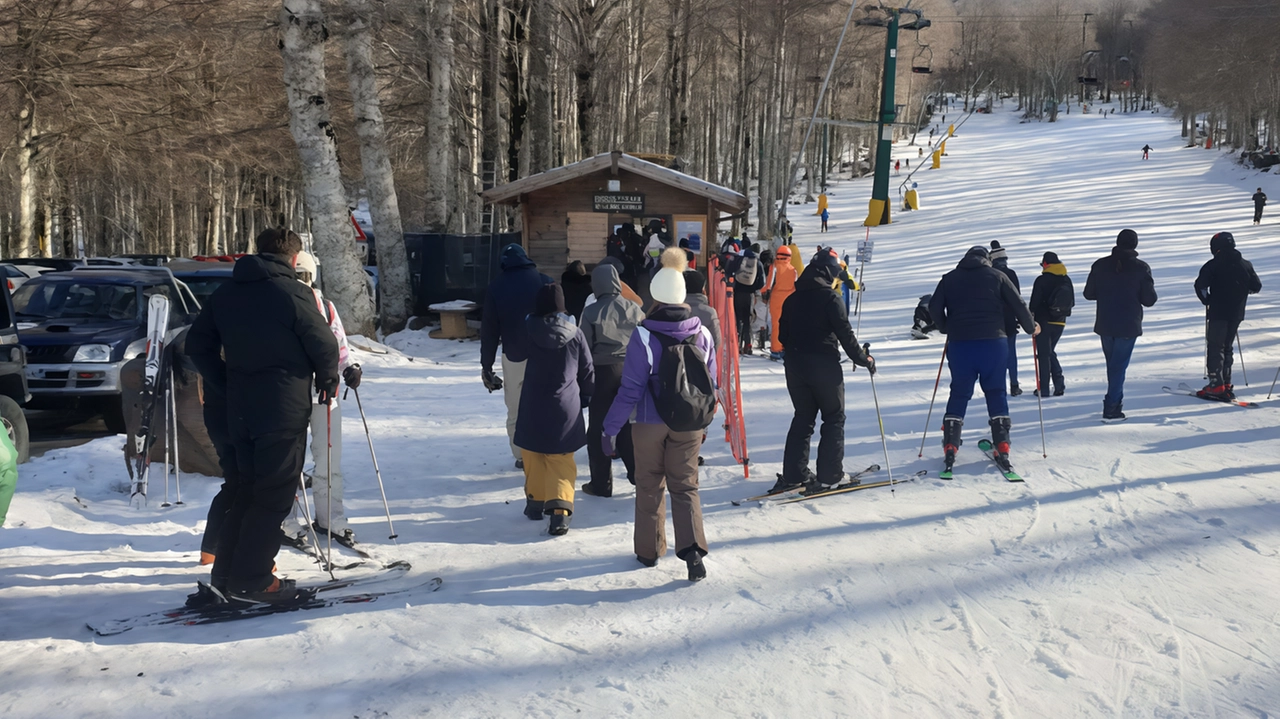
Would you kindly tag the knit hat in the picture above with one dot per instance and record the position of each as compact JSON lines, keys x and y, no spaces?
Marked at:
{"x":1127,"y":239}
{"x":549,"y":301}
{"x":1050,"y":258}
{"x":1222,"y":241}
{"x":978,"y":250}
{"x":694,"y":282}
{"x":997,"y":252}
{"x":668,"y":284}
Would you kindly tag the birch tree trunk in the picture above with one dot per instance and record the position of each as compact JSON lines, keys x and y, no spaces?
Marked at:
{"x":302,"y":49}
{"x":26,"y":238}
{"x":439,"y":116}
{"x":541,"y":126}
{"x":379,"y":180}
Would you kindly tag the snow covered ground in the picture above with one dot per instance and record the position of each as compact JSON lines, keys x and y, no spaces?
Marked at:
{"x":1135,"y":573}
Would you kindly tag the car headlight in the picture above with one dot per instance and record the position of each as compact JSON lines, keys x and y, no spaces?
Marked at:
{"x":93,"y":353}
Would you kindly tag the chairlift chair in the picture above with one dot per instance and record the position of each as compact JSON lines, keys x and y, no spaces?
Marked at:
{"x":919,"y":66}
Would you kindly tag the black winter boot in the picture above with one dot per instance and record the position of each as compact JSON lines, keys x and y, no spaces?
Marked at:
{"x":533,"y":509}
{"x":559,"y":525}
{"x":1000,"y":439}
{"x":952,"y":427}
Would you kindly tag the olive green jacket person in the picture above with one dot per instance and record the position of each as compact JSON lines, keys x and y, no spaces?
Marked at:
{"x":8,"y":473}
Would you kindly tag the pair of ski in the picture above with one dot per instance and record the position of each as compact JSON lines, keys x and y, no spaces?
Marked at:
{"x":1184,"y":388}
{"x":317,"y":596}
{"x":154,"y":375}
{"x":988,"y":449}
{"x":852,"y":484}
{"x":303,"y":544}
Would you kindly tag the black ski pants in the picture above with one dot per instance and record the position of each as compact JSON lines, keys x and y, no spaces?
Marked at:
{"x":608,"y":381}
{"x":215,"y":423}
{"x":1220,"y":335}
{"x":1257,"y":213}
{"x":1047,"y":356}
{"x":742,"y":316}
{"x":270,"y":466}
{"x":816,"y":385}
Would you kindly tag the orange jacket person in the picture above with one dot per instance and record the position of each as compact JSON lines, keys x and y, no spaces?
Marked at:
{"x":779,"y":286}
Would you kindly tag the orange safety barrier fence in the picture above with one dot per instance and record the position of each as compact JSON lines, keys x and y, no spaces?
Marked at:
{"x":729,"y":391}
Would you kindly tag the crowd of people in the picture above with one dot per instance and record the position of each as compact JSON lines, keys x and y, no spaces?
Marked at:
{"x":273,"y":354}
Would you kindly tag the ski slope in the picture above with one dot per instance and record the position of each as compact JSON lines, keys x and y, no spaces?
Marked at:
{"x":1135,"y":573}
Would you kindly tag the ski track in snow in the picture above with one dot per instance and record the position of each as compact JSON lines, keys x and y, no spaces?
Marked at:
{"x":1135,"y":573}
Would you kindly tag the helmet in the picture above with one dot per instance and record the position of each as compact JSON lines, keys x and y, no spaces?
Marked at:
{"x":784,"y":251}
{"x":305,"y":267}
{"x":1222,"y":241}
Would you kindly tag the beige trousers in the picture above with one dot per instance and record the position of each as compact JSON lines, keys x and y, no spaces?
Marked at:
{"x":512,"y":383}
{"x":667,"y":460}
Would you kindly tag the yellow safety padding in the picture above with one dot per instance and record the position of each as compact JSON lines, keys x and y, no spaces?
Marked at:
{"x":911,"y":200}
{"x":943,"y":147}
{"x":937,"y":159}
{"x":951,"y":131}
{"x":877,"y":213}
{"x":822,"y":203}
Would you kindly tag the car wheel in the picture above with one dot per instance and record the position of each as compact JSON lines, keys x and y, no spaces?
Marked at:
{"x":15,"y":424}
{"x":113,"y":415}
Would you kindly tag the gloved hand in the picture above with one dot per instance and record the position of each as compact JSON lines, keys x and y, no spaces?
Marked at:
{"x":492,"y":382}
{"x":327,"y":389}
{"x":870,"y":364}
{"x":352,"y":375}
{"x":766,"y":295}
{"x":609,"y":445}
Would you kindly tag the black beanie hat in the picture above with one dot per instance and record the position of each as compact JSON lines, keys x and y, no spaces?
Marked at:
{"x":1050,"y":258}
{"x":1222,"y":241}
{"x":1127,"y":239}
{"x":549,"y":301}
{"x":694,"y":282}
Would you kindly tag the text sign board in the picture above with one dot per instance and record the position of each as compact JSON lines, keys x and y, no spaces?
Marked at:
{"x":618,"y":202}
{"x":864,"y":250}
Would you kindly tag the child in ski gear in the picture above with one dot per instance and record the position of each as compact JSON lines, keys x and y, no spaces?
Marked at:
{"x":507,"y":302}
{"x":779,"y":286}
{"x":814,"y":327}
{"x":1122,"y":285}
{"x":969,"y":308}
{"x":826,"y":216}
{"x":1000,"y":261}
{"x":607,"y":325}
{"x":922,"y":322}
{"x":665,"y":458}
{"x":275,"y":341}
{"x":1259,"y":201}
{"x":1052,"y":297}
{"x":1223,"y":286}
{"x":559,"y":383}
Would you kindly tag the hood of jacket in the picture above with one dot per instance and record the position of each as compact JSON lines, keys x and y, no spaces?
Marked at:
{"x":973,"y":260}
{"x":605,"y":280}
{"x":514,"y":258}
{"x":675,"y":321}
{"x":550,"y":332}
{"x":1056,"y":269}
{"x":256,"y":268}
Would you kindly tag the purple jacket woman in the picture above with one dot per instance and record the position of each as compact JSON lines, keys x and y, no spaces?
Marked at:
{"x":639,"y":371}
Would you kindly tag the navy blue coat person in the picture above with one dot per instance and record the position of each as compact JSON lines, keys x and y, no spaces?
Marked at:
{"x":507,"y":302}
{"x":559,"y":380}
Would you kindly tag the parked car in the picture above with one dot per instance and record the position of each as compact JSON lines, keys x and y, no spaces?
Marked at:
{"x":47,"y":264}
{"x":13,"y":381}
{"x":79,"y":328}
{"x":202,"y":276}
{"x":15,"y":276}
{"x":148,"y":260}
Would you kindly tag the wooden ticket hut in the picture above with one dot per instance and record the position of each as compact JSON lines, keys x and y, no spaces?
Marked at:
{"x":568,"y":213}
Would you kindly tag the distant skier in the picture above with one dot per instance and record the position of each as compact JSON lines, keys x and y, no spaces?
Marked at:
{"x":814,"y":327}
{"x":507,"y":302}
{"x":1223,"y":286}
{"x":969,"y":307}
{"x":1146,"y":150}
{"x":1000,"y":261}
{"x":1122,"y":285}
{"x":897,"y":166}
{"x":1259,"y":201}
{"x":826,"y":217}
{"x":1052,"y":297}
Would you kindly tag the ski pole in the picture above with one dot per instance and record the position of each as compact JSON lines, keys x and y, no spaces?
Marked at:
{"x":328,"y":474}
{"x":936,"y":382}
{"x":311,"y":528}
{"x":1273,"y":383}
{"x":177,"y":469}
{"x":1035,"y":358}
{"x":164,"y":415}
{"x":376,"y":472}
{"x":866,"y":348}
{"x":1243,"y":372}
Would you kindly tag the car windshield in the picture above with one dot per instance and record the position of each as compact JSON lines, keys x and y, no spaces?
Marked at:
{"x":44,"y":300}
{"x":202,"y":287}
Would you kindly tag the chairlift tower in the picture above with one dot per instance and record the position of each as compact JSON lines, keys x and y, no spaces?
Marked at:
{"x":890,"y":18}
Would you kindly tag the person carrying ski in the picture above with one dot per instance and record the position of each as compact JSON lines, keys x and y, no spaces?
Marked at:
{"x":667,"y":378}
{"x":507,"y":302}
{"x":1223,"y":286}
{"x":1122,"y":285}
{"x":607,"y":325}
{"x":814,"y":327}
{"x":968,"y":306}
{"x":747,"y":281}
{"x":779,"y":286}
{"x":559,"y":383}
{"x":1259,"y":202}
{"x":1000,"y":261}
{"x":1146,"y":150}
{"x":1052,"y":297}
{"x":262,"y":338}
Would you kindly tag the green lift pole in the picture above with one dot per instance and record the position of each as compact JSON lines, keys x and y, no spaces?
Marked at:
{"x":879,"y":207}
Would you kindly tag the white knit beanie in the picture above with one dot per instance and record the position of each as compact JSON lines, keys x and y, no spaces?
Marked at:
{"x":668,"y":284}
